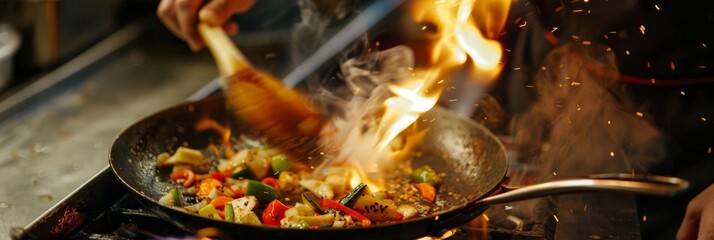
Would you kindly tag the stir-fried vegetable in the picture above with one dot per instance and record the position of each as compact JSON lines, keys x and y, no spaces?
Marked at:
{"x":427,"y":191}
{"x":332,"y":204}
{"x":183,"y":155}
{"x":425,"y":174}
{"x":263,"y":192}
{"x":172,"y":198}
{"x":186,"y":175}
{"x":230,"y":216}
{"x":274,"y":212}
{"x":377,"y":209}
{"x":262,"y":186}
{"x":351,"y":197}
{"x":207,"y":187}
{"x":280,"y":163}
{"x":209,"y":211}
{"x":310,"y":199}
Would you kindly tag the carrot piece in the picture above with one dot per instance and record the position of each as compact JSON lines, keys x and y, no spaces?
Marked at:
{"x":427,"y":191}
{"x":271,"y":181}
{"x":220,"y":201}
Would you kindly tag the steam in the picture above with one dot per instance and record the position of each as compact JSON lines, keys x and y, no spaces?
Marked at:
{"x":581,"y":123}
{"x":352,"y":133}
{"x":316,"y":18}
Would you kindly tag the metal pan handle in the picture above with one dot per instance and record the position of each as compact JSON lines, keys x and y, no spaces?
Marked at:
{"x":615,"y":183}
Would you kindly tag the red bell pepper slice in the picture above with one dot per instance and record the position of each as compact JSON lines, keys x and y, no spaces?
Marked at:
{"x":274,"y":212}
{"x":184,"y":174}
{"x":237,"y":191}
{"x":221,"y":214}
{"x":332,"y":204}
{"x":271,"y":181}
{"x":221,"y":176}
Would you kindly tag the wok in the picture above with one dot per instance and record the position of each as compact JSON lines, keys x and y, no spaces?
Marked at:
{"x":473,"y":159}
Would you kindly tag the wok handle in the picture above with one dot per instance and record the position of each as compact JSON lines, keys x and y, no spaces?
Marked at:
{"x":614,"y":183}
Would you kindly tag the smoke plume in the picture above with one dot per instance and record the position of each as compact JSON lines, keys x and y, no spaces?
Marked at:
{"x":582,"y":123}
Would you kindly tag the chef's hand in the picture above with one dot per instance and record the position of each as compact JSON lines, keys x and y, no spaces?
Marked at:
{"x":699,"y":221}
{"x":181,"y":16}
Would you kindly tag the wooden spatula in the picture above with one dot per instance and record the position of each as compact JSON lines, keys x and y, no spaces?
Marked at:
{"x":284,"y":115}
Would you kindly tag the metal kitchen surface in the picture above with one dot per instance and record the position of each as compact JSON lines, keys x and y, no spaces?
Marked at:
{"x":56,"y":133}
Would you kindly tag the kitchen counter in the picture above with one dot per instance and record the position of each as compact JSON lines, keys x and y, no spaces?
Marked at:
{"x":56,"y":132}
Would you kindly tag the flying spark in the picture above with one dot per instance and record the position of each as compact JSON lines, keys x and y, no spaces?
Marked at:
{"x":642,"y":29}
{"x":612,"y":154}
{"x":682,"y":92}
{"x":704,"y":119}
{"x":657,"y":7}
{"x":556,"y":218}
{"x":639,"y":114}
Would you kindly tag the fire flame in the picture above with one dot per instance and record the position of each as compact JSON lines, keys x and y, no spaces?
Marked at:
{"x":459,"y":39}
{"x":460,"y":36}
{"x":462,"y":24}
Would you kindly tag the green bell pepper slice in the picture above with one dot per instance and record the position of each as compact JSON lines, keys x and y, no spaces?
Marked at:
{"x":425,"y":174}
{"x":262,"y":192}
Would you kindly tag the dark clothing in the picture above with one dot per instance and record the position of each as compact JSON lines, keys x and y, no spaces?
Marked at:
{"x":665,"y":54}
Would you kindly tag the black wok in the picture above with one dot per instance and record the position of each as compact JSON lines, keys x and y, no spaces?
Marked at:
{"x":473,"y":159}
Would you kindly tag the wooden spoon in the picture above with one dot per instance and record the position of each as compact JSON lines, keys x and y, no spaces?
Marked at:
{"x":284,"y":115}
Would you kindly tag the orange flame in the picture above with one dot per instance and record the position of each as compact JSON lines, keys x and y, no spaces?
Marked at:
{"x":460,"y":37}
{"x":462,"y":25}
